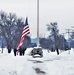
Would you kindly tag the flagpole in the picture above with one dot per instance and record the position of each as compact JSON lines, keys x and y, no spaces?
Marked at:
{"x":37,"y":23}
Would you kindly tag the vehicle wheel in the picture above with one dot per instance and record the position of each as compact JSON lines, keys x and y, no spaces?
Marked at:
{"x":41,"y":55}
{"x":33,"y":56}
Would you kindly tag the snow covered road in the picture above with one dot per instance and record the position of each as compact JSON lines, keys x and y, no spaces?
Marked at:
{"x":50,"y":64}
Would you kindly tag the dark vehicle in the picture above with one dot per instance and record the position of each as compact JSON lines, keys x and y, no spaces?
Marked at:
{"x":37,"y":51}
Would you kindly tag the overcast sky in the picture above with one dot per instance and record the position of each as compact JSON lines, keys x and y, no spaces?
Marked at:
{"x":60,"y":11}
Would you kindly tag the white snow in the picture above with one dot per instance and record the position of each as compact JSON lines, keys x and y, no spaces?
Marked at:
{"x":50,"y":64}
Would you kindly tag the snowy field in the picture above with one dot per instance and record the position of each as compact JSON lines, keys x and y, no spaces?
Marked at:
{"x":50,"y":64}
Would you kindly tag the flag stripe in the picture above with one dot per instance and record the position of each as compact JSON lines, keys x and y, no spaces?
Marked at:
{"x":25,"y":34}
{"x":26,"y":27}
{"x":25,"y":30}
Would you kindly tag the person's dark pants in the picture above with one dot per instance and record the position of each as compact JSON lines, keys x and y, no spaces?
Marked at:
{"x":57,"y":52}
{"x":23,"y":53}
{"x":14,"y":53}
{"x":20,"y":53}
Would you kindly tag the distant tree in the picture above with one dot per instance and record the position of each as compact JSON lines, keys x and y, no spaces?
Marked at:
{"x":72,"y":43}
{"x":43,"y":43}
{"x":72,"y":39}
{"x":53,"y":28}
{"x":46,"y":43}
{"x":17,"y":32}
{"x":63,"y":45}
{"x":11,"y":28}
{"x":27,"y":41}
{"x":72,"y":35}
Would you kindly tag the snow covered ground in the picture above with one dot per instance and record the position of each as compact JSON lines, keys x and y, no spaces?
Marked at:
{"x":50,"y":64}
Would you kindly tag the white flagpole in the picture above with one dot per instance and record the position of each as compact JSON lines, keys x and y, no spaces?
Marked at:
{"x":37,"y":23}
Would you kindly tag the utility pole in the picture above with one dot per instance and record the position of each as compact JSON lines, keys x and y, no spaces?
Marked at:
{"x":72,"y":29}
{"x":37,"y":23}
{"x":72,"y":34}
{"x":68,"y":31}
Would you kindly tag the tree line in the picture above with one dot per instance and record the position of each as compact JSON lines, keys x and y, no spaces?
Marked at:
{"x":56,"y":41}
{"x":11,"y":28}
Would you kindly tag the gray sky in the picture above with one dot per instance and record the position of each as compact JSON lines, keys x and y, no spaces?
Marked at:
{"x":60,"y":11}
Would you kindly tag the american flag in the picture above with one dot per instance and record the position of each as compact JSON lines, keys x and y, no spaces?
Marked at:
{"x":25,"y":32}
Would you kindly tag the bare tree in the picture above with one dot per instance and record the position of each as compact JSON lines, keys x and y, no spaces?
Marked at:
{"x":54,"y":32}
{"x":10,"y":28}
{"x":72,"y":35}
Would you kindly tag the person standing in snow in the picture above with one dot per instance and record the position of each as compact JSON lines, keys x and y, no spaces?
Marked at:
{"x":23,"y":51}
{"x":15,"y":51}
{"x":20,"y":51}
